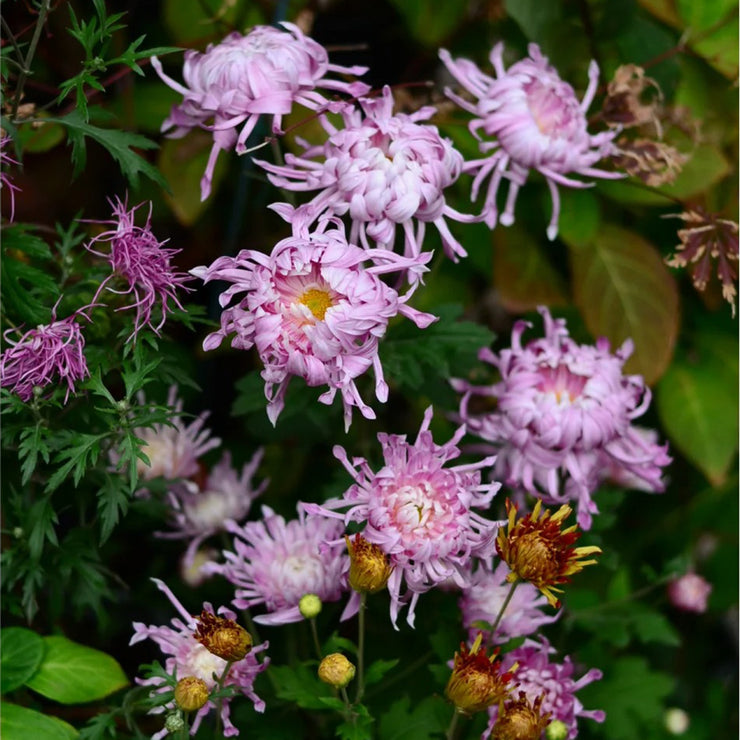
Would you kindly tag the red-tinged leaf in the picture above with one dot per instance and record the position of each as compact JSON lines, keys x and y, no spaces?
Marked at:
{"x":624,"y":290}
{"x":522,"y":274}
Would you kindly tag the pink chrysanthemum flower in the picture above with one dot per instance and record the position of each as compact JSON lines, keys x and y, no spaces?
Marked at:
{"x":243,"y":77}
{"x":142,"y":262}
{"x":536,"y":122}
{"x":419,"y":512}
{"x":313,"y":309}
{"x":189,"y":657}
{"x":484,"y":596}
{"x":50,"y":353}
{"x":198,"y":511}
{"x":690,"y":592}
{"x":173,"y":449}
{"x":276,"y":563}
{"x":537,"y":676}
{"x":563,"y":417}
{"x":385,"y":171}
{"x":5,"y":181}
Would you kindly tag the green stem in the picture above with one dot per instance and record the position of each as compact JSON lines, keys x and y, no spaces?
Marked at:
{"x":450,"y":734}
{"x":315,"y":635}
{"x":220,"y":701}
{"x":361,"y":649}
{"x":503,"y":606}
{"x":26,"y":69}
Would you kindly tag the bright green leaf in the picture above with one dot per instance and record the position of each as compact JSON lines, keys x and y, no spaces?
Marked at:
{"x":699,"y":410}
{"x":624,"y":290}
{"x":301,"y":684}
{"x":74,"y":674}
{"x":378,"y":669}
{"x":21,"y":723}
{"x":21,"y":653}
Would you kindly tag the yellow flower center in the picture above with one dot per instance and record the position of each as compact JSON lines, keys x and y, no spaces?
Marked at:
{"x":318,"y":301}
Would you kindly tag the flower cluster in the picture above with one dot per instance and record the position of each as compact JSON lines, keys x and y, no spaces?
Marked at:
{"x":563,"y":418}
{"x":236,"y":81}
{"x":143,"y":263}
{"x":384,"y":171}
{"x":419,"y":512}
{"x":188,"y":656}
{"x":313,"y":309}
{"x":531,"y":120}
{"x":276,"y":563}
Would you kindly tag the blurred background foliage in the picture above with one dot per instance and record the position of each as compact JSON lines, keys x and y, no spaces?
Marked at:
{"x":605,"y":273}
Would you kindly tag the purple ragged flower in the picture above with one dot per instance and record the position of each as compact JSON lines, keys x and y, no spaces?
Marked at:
{"x":50,"y":353}
{"x":381,"y":170}
{"x":537,"y":676}
{"x":189,"y":657}
{"x":563,"y":417}
{"x":199,"y":510}
{"x":276,"y":563}
{"x":529,"y":119}
{"x":142,"y":262}
{"x":419,"y":512}
{"x":486,"y":593}
{"x":173,"y":449}
{"x":316,"y":308}
{"x":234,"y":82}
{"x":5,"y":181}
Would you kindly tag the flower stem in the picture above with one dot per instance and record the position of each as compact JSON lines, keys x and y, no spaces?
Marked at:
{"x":361,"y":649}
{"x":26,"y":69}
{"x":503,"y":607}
{"x":220,"y":701}
{"x":450,"y":734}
{"x":315,"y":635}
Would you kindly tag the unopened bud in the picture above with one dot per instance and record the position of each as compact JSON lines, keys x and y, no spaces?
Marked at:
{"x":174,"y":722}
{"x":556,"y":730}
{"x":191,"y":693}
{"x":309,"y":606}
{"x":369,"y":568}
{"x":676,"y":721}
{"x":336,"y":670}
{"x":222,"y":637}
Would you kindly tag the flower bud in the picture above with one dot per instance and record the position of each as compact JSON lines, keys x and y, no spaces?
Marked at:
{"x":222,"y":637}
{"x":369,"y":569}
{"x":520,"y":720}
{"x":309,"y":606}
{"x":174,"y":722}
{"x":676,"y":721}
{"x":191,"y":693}
{"x":556,"y":730}
{"x":336,"y":670}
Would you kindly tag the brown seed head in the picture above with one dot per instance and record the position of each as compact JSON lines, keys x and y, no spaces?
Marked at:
{"x":539,"y":551}
{"x":336,"y":670}
{"x":191,"y":693}
{"x":222,"y":637}
{"x":477,"y":682}
{"x":520,"y":720}
{"x":369,"y":568}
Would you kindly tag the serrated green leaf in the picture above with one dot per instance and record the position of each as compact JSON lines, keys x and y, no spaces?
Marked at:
{"x":359,"y":728}
{"x":378,"y":669}
{"x":120,"y":145}
{"x":74,"y":674}
{"x":22,"y":238}
{"x":101,"y":726}
{"x":301,"y":684}
{"x":81,"y":453}
{"x":42,"y":517}
{"x":700,"y":414}
{"x":32,"y":444}
{"x":624,"y":291}
{"x":21,"y":653}
{"x":113,"y":503}
{"x":21,"y":723}
{"x":426,"y":720}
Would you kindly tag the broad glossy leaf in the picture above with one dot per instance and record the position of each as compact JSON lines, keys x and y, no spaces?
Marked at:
{"x":21,"y":723}
{"x":73,"y":674}
{"x":720,"y":48}
{"x":624,"y":290}
{"x":697,"y":400}
{"x":522,"y":275}
{"x":21,"y":653}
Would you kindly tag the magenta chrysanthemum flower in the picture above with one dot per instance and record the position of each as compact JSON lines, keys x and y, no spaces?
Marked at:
{"x":537,"y":676}
{"x":5,"y":181}
{"x":142,"y":262}
{"x":276,"y":563}
{"x":690,"y":592}
{"x":199,"y":511}
{"x":535,"y":121}
{"x":173,"y":449}
{"x":419,"y":512}
{"x":313,"y":309}
{"x":563,"y":418}
{"x":385,"y":171}
{"x":484,"y":596}
{"x":236,"y":81}
{"x":189,"y":657}
{"x":50,"y":353}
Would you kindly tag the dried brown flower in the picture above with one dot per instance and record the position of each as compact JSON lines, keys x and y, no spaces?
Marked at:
{"x":222,"y":637}
{"x":628,"y":102}
{"x":520,"y":720}
{"x":654,"y":162}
